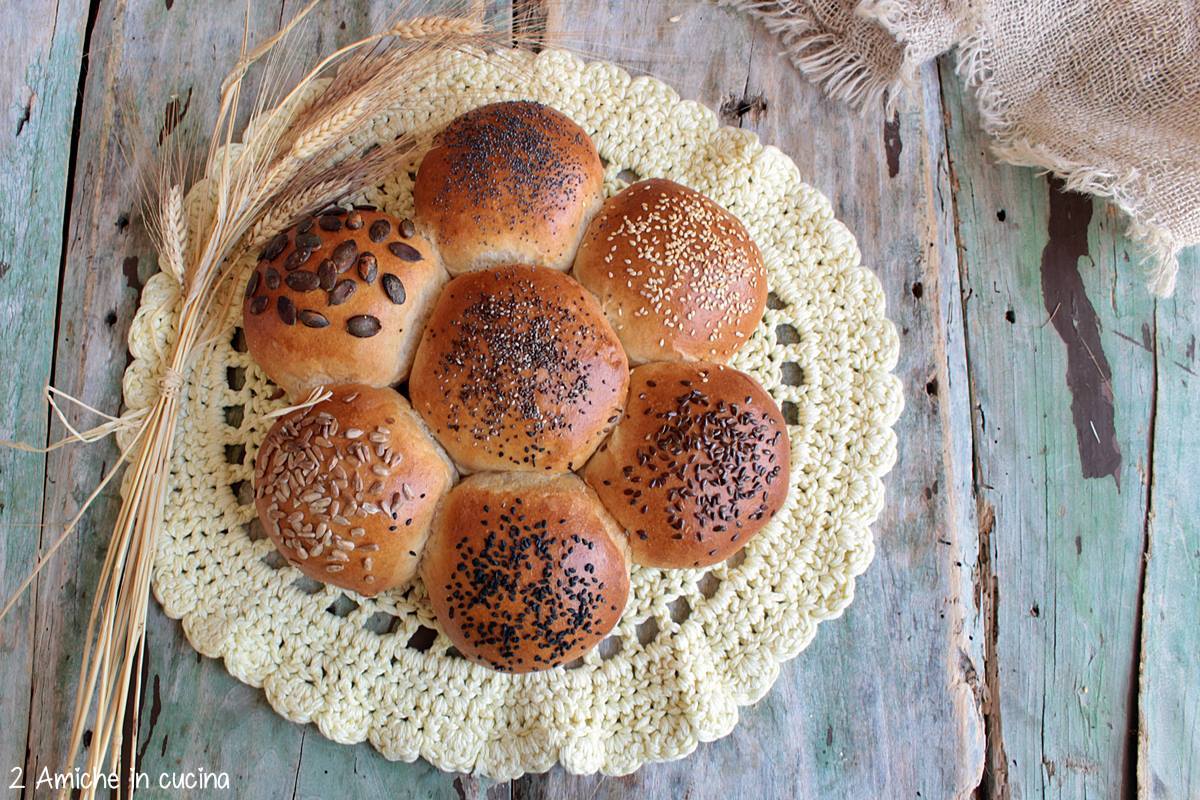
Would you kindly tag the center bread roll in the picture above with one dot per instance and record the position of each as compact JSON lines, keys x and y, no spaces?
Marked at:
{"x":518,"y":370}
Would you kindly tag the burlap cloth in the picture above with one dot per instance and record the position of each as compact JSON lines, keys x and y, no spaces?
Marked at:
{"x":1103,"y":93}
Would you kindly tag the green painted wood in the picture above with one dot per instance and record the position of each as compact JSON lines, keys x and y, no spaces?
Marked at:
{"x":39,"y":74}
{"x":1060,"y":338}
{"x":842,"y":719}
{"x":1169,"y":701}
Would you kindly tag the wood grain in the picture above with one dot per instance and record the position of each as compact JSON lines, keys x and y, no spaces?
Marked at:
{"x":39,"y":75}
{"x":1061,"y":366}
{"x":1028,"y":625}
{"x":1169,"y":700}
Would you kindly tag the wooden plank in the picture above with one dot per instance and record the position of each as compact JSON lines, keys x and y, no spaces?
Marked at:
{"x":1060,"y":346}
{"x":1169,"y":699}
{"x":39,"y":75}
{"x":842,"y":720}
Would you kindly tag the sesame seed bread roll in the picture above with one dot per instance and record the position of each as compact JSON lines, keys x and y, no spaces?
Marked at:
{"x":508,"y":183}
{"x":347,"y":488}
{"x":525,"y":571}
{"x":696,"y":467}
{"x":340,"y":298}
{"x":518,"y":369}
{"x":678,"y":276}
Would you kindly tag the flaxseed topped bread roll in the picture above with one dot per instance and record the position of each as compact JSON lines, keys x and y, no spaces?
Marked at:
{"x":508,"y":183}
{"x":696,"y":467}
{"x":346,"y":488}
{"x":677,"y":275}
{"x":525,"y":571}
{"x":340,"y":298}
{"x":519,"y":370}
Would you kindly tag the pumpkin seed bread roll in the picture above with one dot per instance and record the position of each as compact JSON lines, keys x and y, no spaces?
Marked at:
{"x":697,"y":466}
{"x":508,"y":183}
{"x":341,"y":297}
{"x":677,"y":275}
{"x":518,"y":370}
{"x":347,"y":488}
{"x":525,"y":571}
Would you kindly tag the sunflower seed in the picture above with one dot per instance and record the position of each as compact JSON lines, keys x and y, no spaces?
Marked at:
{"x":287,"y":311}
{"x":370,"y":548}
{"x":274,"y":247}
{"x":327,"y":275}
{"x":252,"y":284}
{"x":393,"y":287}
{"x":357,"y":532}
{"x":354,"y":221}
{"x":314,"y":319}
{"x":334,"y":567}
{"x":296,"y":258}
{"x":344,"y":545}
{"x":330,"y":223}
{"x":404,"y":252}
{"x":407,"y":229}
{"x":302,"y":280}
{"x":259,"y":304}
{"x":368,"y":564}
{"x":364,"y":326}
{"x":353,"y":433}
{"x":272,"y":278}
{"x":344,"y":254}
{"x":341,"y":293}
{"x":308,"y":241}
{"x":367,"y":267}
{"x":338,"y":555}
{"x":378,"y":231}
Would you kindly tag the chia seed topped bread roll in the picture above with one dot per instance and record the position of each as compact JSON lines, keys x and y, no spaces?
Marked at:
{"x":340,"y":298}
{"x":677,"y":275}
{"x":508,"y":183}
{"x":696,"y":467}
{"x":518,"y":369}
{"x":525,"y":571}
{"x":346,"y":488}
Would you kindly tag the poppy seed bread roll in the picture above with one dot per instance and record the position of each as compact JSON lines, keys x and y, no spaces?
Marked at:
{"x":346,"y":488}
{"x":525,"y":571}
{"x":696,"y":467}
{"x":677,"y":275}
{"x":508,"y":183}
{"x":519,"y":370}
{"x":341,"y":297}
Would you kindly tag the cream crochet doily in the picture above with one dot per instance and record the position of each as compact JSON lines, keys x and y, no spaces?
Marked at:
{"x":692,"y":646}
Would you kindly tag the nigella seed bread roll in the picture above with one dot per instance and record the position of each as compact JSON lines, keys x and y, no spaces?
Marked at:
{"x":346,"y":488}
{"x":525,"y":571}
{"x":508,"y":183}
{"x":678,"y":276}
{"x":341,"y":297}
{"x":518,"y":370}
{"x":697,"y":466}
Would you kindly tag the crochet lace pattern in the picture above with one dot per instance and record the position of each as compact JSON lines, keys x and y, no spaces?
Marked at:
{"x":692,"y":646}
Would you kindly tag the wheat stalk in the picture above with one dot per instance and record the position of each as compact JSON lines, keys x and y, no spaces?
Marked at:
{"x":290,"y":160}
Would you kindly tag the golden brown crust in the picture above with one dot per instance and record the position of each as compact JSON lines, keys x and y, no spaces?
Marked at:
{"x":525,"y":571}
{"x":696,"y":467}
{"x":347,"y":488}
{"x":512,"y":182}
{"x":518,"y":369}
{"x":677,"y":275}
{"x":335,"y":316}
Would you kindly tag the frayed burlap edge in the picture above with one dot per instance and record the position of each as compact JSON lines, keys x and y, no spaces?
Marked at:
{"x":1159,"y":246}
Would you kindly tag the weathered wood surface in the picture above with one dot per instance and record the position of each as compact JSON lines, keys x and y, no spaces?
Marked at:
{"x":1027,"y":627}
{"x":39,"y":75}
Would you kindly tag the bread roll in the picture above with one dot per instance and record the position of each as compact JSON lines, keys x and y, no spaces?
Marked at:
{"x":525,"y":571}
{"x":697,"y":466}
{"x":346,"y":488}
{"x":518,"y":369}
{"x":508,"y":183}
{"x":340,"y":298}
{"x":678,"y":276}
